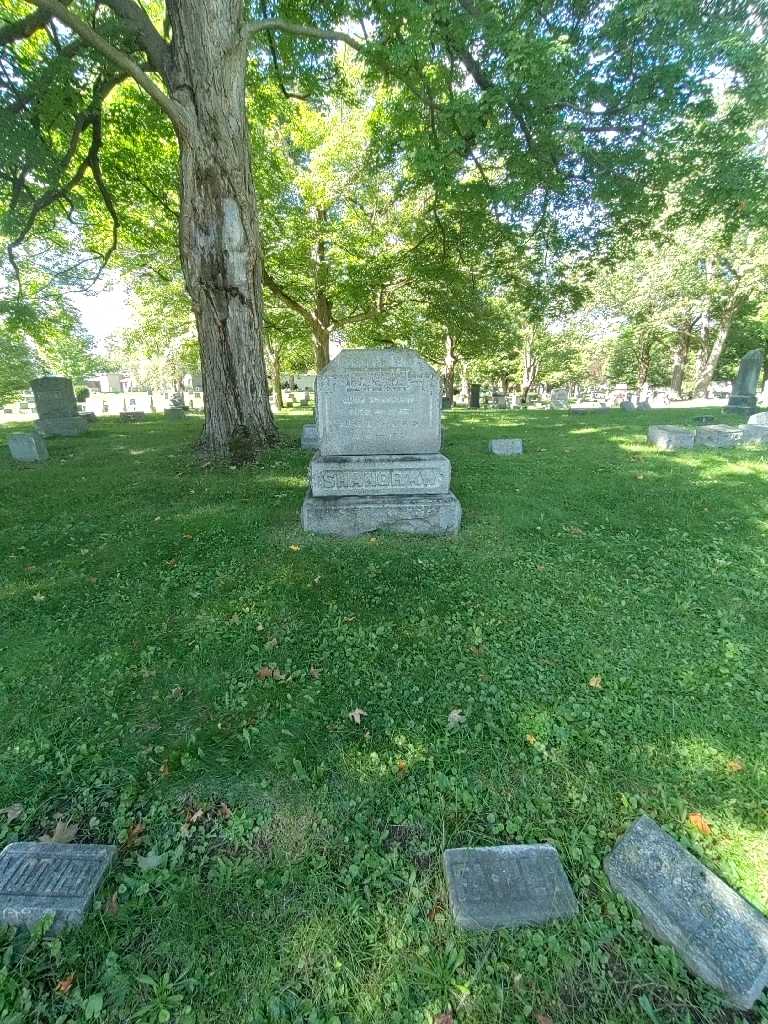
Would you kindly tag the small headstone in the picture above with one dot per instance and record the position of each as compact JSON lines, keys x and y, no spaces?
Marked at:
{"x":627,"y":406}
{"x":37,"y":879}
{"x":506,"y":446}
{"x":754,"y":433}
{"x":132,"y":416}
{"x":310,"y":439}
{"x":670,"y":437}
{"x":28,"y":447}
{"x":559,"y":398}
{"x":702,"y":421}
{"x":644,"y":405}
{"x":57,"y":407}
{"x":718,"y":435}
{"x":507,"y":886}
{"x":759,"y":419}
{"x":743,"y":396}
{"x":721,"y":937}
{"x":474,"y":396}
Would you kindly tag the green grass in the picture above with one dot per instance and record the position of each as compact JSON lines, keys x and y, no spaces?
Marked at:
{"x":279,"y":862}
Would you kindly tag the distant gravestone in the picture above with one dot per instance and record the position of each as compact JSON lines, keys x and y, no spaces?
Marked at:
{"x":721,"y":937}
{"x":759,"y":418}
{"x":133,"y":416}
{"x":506,"y":446}
{"x":718,"y":435}
{"x":379,"y":465}
{"x":310,"y":438}
{"x":177,"y":409}
{"x":755,"y":433}
{"x":559,"y":398}
{"x":37,"y":879}
{"x":28,"y":447}
{"x":627,"y":406}
{"x":57,"y":408}
{"x":507,"y":886}
{"x":743,"y":397}
{"x":474,"y":396}
{"x":670,"y":437}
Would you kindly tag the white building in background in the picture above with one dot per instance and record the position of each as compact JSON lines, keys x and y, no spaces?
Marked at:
{"x":108,"y":383}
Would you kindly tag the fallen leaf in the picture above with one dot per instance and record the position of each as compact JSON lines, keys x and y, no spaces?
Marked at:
{"x":699,"y":822}
{"x":277,"y":674}
{"x":194,"y":816}
{"x":373,"y":540}
{"x":64,"y":832}
{"x":314,"y":672}
{"x":65,"y":984}
{"x":187,"y":536}
{"x":476,"y":650}
{"x":443,"y":1018}
{"x":530,"y":738}
{"x":295,"y":547}
{"x":177,"y":693}
{"x":165,"y":769}
{"x":575,"y":531}
{"x":639,"y":476}
{"x":38,"y":597}
{"x":357,"y":715}
{"x":91,"y":579}
{"x":735,"y":765}
{"x":134,"y":834}
{"x":456,"y":718}
{"x":265,"y":672}
{"x":402,"y":766}
{"x":111,"y":906}
{"x":271,"y":644}
{"x":12,"y":812}
{"x":541,"y":568}
{"x":596,"y":682}
{"x":436,"y":909}
{"x":542,"y":1018}
{"x":350,"y":618}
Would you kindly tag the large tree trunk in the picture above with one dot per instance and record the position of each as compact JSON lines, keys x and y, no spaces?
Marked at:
{"x":450,"y":367}
{"x":321,"y":327}
{"x":530,"y":370}
{"x":679,"y":360}
{"x":220,"y":241}
{"x":707,"y":372}
{"x":643,"y":362}
{"x":277,"y":382}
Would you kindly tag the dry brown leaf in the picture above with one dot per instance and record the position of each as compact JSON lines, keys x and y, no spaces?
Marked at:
{"x":436,"y":909}
{"x":187,"y":536}
{"x":134,"y":834}
{"x":64,"y":832}
{"x":402,"y":766}
{"x":357,"y":715}
{"x":542,"y":1018}
{"x":476,"y":650}
{"x":295,"y":547}
{"x":530,"y":738}
{"x":735,"y":765}
{"x":277,"y":674}
{"x":443,"y":1018}
{"x":65,"y":984}
{"x":111,"y":906}
{"x":12,"y":812}
{"x":596,"y":682}
{"x":165,"y":769}
{"x":265,"y":672}
{"x":223,"y":810}
{"x":699,"y":822}
{"x":314,"y":672}
{"x":456,"y":718}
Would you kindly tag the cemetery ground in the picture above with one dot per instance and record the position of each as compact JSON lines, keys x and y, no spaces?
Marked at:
{"x":283,"y":732}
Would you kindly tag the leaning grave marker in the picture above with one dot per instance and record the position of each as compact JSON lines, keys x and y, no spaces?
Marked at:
{"x":57,"y":407}
{"x":379,"y":465}
{"x":38,"y":879}
{"x":507,"y":886}
{"x":28,"y":447}
{"x":721,"y":937}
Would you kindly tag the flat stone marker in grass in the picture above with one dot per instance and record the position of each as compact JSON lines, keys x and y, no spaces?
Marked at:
{"x":507,"y":886}
{"x":721,"y":937}
{"x":670,"y":437}
{"x":506,"y":446}
{"x":28,"y":447}
{"x":718,"y":435}
{"x":37,"y":879}
{"x":755,"y":433}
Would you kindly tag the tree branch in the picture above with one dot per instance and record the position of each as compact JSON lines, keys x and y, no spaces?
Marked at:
{"x":137,"y":21}
{"x":278,"y":290}
{"x":13,"y":31}
{"x":292,"y":29}
{"x":122,"y":60}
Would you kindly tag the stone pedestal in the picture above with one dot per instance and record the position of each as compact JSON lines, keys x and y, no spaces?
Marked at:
{"x":57,"y":408}
{"x":379,"y":465}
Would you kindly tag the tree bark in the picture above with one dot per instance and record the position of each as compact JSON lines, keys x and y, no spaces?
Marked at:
{"x":530,"y":370}
{"x":220,"y":241}
{"x":321,"y":327}
{"x":707,"y":372}
{"x":450,"y":368}
{"x":643,"y":362}
{"x":679,"y":360}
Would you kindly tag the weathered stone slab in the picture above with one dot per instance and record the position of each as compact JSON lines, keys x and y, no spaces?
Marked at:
{"x":506,"y":446}
{"x":334,"y":476}
{"x":506,"y":886}
{"x":378,"y":402}
{"x":721,"y":937}
{"x":28,"y":447}
{"x":57,"y":408}
{"x":436,"y":514}
{"x":744,"y":393}
{"x":669,"y":437}
{"x":310,"y":438}
{"x":759,"y":419}
{"x":755,"y":433}
{"x":37,"y":879}
{"x":132,"y":417}
{"x":718,"y":435}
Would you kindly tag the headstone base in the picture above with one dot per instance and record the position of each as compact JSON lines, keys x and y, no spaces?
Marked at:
{"x":670,"y":437}
{"x":336,"y":476}
{"x":718,"y":435}
{"x":354,"y":516}
{"x":744,"y":404}
{"x":62,"y":426}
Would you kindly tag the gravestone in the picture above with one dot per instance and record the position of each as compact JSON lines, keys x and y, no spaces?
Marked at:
{"x":310,"y":438}
{"x":37,"y":879}
{"x":743,"y":397}
{"x":627,"y":406}
{"x":559,"y":398}
{"x":379,"y":465}
{"x":721,"y":937}
{"x":758,"y":418}
{"x":506,"y":886}
{"x":670,"y":437}
{"x":132,"y":416}
{"x":57,"y":408}
{"x":474,"y":396}
{"x":28,"y":447}
{"x":718,"y":435}
{"x":513,"y":401}
{"x":506,"y":446}
{"x":754,"y":433}
{"x":177,"y":408}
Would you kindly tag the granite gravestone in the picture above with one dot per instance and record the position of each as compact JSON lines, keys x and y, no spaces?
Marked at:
{"x":505,"y":886}
{"x":759,"y":419}
{"x":57,"y":407}
{"x":310,"y":438}
{"x":28,"y":447}
{"x":743,"y":397}
{"x":177,"y":408}
{"x":559,"y":399}
{"x":669,"y":437}
{"x":754,"y":433}
{"x":37,"y":879}
{"x":506,"y":446}
{"x":379,"y":465}
{"x":721,"y":937}
{"x":718,"y":435}
{"x":133,"y":416}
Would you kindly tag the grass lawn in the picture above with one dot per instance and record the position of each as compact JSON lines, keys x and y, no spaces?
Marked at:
{"x":179,"y":662}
